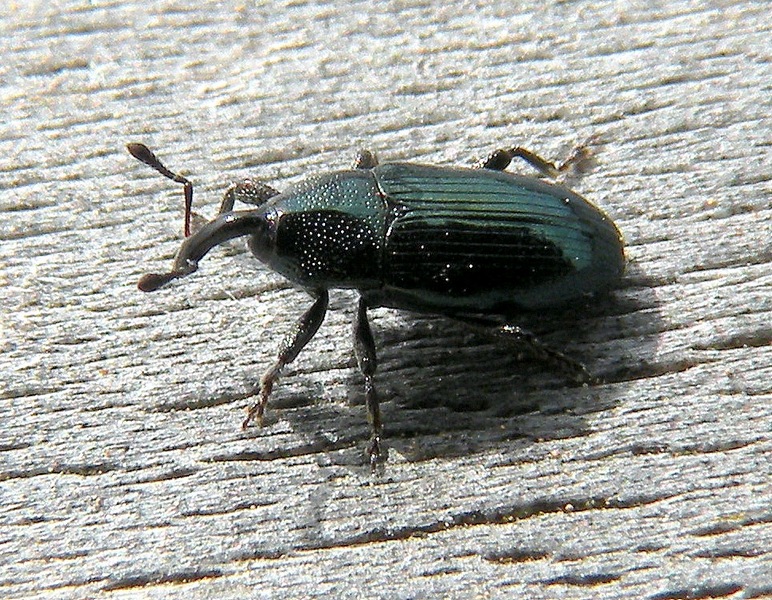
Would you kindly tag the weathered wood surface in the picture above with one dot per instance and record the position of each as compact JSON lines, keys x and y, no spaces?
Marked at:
{"x":123,"y":469}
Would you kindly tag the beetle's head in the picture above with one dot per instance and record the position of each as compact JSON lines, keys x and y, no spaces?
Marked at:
{"x":229,"y":224}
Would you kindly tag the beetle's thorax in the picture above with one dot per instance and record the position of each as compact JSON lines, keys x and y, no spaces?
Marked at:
{"x":327,"y":231}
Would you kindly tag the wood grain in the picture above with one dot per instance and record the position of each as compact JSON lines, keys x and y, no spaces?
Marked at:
{"x":123,"y":471}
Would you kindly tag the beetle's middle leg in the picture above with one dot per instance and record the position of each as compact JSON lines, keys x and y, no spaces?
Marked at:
{"x":299,"y":336}
{"x":364,"y":348}
{"x":498,"y":160}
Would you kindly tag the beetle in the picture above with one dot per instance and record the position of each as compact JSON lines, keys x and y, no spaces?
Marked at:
{"x":479,"y":245}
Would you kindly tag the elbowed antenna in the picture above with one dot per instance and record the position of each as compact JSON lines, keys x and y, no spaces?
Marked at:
{"x":145,"y":155}
{"x":194,"y":248}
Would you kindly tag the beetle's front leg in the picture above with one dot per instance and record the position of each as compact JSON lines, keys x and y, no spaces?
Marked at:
{"x":248,"y":191}
{"x":364,"y":348}
{"x":298,"y":337}
{"x":544,"y":352}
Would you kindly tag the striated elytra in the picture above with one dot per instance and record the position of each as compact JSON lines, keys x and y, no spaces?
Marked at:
{"x":475,"y":244}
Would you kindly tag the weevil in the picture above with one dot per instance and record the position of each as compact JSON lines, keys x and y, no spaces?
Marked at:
{"x":478,"y":244}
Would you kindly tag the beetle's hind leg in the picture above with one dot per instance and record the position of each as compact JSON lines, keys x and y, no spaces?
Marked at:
{"x":364,"y":348}
{"x":498,"y":160}
{"x":545,"y":353}
{"x":365,"y":159}
{"x":298,"y":337}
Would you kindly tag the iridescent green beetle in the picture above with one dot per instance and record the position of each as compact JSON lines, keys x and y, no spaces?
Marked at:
{"x":475,"y":244}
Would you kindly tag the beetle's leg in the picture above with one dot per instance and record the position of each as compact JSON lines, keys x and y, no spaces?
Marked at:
{"x":364,"y":348}
{"x":298,"y":337}
{"x":248,"y":191}
{"x":546,"y":353}
{"x":498,"y":160}
{"x":365,"y":159}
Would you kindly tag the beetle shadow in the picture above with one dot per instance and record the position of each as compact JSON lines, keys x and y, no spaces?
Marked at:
{"x":449,"y":389}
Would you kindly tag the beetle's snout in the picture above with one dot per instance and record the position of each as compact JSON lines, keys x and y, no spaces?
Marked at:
{"x":150,"y":282}
{"x":225,"y":227}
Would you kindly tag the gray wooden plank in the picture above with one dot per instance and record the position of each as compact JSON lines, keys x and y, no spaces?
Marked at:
{"x":123,"y":471}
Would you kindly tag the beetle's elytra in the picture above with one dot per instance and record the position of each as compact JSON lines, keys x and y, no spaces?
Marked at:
{"x":475,"y":244}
